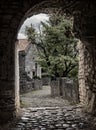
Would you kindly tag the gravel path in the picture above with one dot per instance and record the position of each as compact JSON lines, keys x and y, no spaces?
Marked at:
{"x":42,"y":98}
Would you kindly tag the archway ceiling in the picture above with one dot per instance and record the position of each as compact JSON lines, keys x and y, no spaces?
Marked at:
{"x":15,"y":12}
{"x":48,"y":6}
{"x":83,"y":11}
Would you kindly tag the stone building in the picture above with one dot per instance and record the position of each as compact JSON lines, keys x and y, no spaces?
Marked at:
{"x":28,"y":67}
{"x":27,"y":59}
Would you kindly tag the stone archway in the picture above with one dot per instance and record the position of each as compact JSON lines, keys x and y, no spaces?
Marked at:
{"x":12,"y":15}
{"x":86,"y":28}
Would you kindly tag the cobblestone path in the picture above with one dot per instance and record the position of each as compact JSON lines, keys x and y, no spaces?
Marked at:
{"x":43,"y":112}
{"x":58,"y":118}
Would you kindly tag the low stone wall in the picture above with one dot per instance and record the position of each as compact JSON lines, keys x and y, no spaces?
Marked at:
{"x":37,"y":84}
{"x":27,"y":86}
{"x":55,"y":91}
{"x":46,"y":81}
{"x":70,"y":90}
{"x":66,"y":88}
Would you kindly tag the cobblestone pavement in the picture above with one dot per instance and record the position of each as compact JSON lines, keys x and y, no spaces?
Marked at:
{"x":53,"y":118}
{"x":43,"y":112}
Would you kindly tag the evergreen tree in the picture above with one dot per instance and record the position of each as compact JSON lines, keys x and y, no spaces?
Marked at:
{"x":56,"y":44}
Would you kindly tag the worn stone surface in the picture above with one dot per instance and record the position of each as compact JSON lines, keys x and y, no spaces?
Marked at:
{"x":55,"y":90}
{"x":65,"y":87}
{"x":46,"y":80}
{"x":27,"y":86}
{"x":53,"y":118}
{"x":87,"y":75}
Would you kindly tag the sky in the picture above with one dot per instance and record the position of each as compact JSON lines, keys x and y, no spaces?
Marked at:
{"x":35,"y":21}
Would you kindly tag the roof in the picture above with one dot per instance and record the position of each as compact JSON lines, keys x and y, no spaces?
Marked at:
{"x":22,"y":44}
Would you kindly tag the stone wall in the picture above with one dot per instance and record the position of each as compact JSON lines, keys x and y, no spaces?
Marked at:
{"x":66,"y":88}
{"x":46,"y":80}
{"x":31,"y":66}
{"x":28,"y":86}
{"x":17,"y":91}
{"x":22,"y":74}
{"x":87,"y":75}
{"x":81,"y":74}
{"x":27,"y":61}
{"x":55,"y":91}
{"x":70,"y":90}
{"x":8,"y":105}
{"x":37,"y":84}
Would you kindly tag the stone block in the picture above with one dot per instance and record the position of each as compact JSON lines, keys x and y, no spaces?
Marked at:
{"x":55,"y":89}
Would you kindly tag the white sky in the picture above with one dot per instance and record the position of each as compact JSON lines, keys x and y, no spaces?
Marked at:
{"x":35,"y":21}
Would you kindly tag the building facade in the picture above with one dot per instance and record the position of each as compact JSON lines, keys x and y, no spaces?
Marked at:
{"x":28,"y":59}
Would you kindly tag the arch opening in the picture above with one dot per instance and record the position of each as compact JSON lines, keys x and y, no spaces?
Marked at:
{"x":53,"y":11}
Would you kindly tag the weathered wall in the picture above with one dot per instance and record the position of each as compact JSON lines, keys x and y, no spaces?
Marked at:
{"x":17,"y":91}
{"x":46,"y":80}
{"x":30,"y":61}
{"x":81,"y":74}
{"x":55,"y":91}
{"x":7,"y":79}
{"x":30,"y":86}
{"x":65,"y":87}
{"x":90,"y":75}
{"x":87,"y":75}
{"x":28,"y":65}
{"x":85,"y":28}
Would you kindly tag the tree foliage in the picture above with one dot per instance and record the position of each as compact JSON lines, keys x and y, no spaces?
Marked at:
{"x":56,"y":44}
